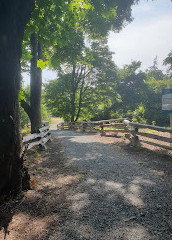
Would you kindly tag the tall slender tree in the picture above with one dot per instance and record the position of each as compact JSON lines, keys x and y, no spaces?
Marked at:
{"x":33,"y":109}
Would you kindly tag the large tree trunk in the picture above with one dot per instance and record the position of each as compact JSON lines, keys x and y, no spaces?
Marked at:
{"x":35,"y":85}
{"x":13,"y":17}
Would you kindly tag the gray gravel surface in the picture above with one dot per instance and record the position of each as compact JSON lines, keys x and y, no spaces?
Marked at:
{"x":121,"y":195}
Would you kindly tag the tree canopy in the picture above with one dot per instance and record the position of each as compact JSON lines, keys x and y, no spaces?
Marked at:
{"x":60,"y":29}
{"x":82,"y":85}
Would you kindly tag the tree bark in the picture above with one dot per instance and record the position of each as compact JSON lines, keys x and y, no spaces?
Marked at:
{"x":73,"y":94}
{"x":80,"y":100}
{"x":35,"y":85}
{"x":26,"y":108}
{"x":13,"y":18}
{"x":34,"y":109}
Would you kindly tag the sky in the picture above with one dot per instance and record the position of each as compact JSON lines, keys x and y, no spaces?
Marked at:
{"x":147,"y":36}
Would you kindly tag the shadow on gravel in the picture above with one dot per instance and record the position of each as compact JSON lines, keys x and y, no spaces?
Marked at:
{"x":45,"y":208}
{"x":95,"y":192}
{"x":122,"y":195}
{"x":156,"y":162}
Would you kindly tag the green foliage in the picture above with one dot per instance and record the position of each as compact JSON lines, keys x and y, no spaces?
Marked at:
{"x":45,"y":114}
{"x":88,"y":79}
{"x":154,"y":72}
{"x":21,"y":95}
{"x":168,"y":61}
{"x":84,"y":88}
{"x":57,"y":97}
{"x":24,"y":117}
{"x":59,"y":23}
{"x":26,"y":57}
{"x":25,"y":131}
{"x":25,"y":95}
{"x":132,"y":89}
{"x":61,"y":27}
{"x":157,"y":85}
{"x":139,"y":114}
{"x":42,"y":64}
{"x":156,"y":80}
{"x":141,"y":94}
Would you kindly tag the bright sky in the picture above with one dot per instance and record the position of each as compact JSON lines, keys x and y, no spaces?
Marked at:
{"x":148,"y":36}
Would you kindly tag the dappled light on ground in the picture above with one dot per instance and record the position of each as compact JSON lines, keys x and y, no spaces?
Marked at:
{"x":89,"y":190}
{"x":119,"y":197}
{"x":79,"y":201}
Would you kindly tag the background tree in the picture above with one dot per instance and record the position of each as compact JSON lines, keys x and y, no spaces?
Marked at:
{"x":140,"y":94}
{"x":131,"y":88}
{"x":83,"y":84}
{"x":168,"y":61}
{"x":156,"y":80}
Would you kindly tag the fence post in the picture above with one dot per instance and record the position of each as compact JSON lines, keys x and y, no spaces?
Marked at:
{"x":126,"y":128}
{"x":135,"y":142}
{"x":102,"y":133}
{"x":70,"y":125}
{"x":131,"y":134}
{"x":83,"y":127}
{"x":74,"y":126}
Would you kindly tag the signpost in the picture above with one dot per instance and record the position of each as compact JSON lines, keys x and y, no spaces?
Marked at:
{"x":167,"y":104}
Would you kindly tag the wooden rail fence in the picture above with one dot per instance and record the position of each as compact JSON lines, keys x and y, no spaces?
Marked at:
{"x":112,"y":126}
{"x":148,"y":134}
{"x":84,"y":126}
{"x":137,"y":133}
{"x":40,"y":138}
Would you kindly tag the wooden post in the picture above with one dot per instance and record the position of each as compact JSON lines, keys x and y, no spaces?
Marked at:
{"x":102,"y":133}
{"x":74,"y":126}
{"x":132,"y":134}
{"x":126,"y":128}
{"x":82,"y":127}
{"x":70,"y":125}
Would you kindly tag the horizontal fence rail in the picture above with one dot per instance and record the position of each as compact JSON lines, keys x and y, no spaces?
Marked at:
{"x":137,"y":133}
{"x":112,"y":126}
{"x":149,"y":134}
{"x":90,"y":126}
{"x":40,"y":138}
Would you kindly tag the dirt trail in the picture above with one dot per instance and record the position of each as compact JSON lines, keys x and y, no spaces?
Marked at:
{"x":89,"y":190}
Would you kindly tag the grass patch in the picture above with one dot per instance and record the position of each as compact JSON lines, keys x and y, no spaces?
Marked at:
{"x":26,"y":131}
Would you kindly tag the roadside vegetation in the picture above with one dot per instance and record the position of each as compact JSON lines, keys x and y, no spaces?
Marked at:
{"x":106,"y":91}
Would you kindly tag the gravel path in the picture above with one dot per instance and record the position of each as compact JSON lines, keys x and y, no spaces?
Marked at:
{"x":121,"y":195}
